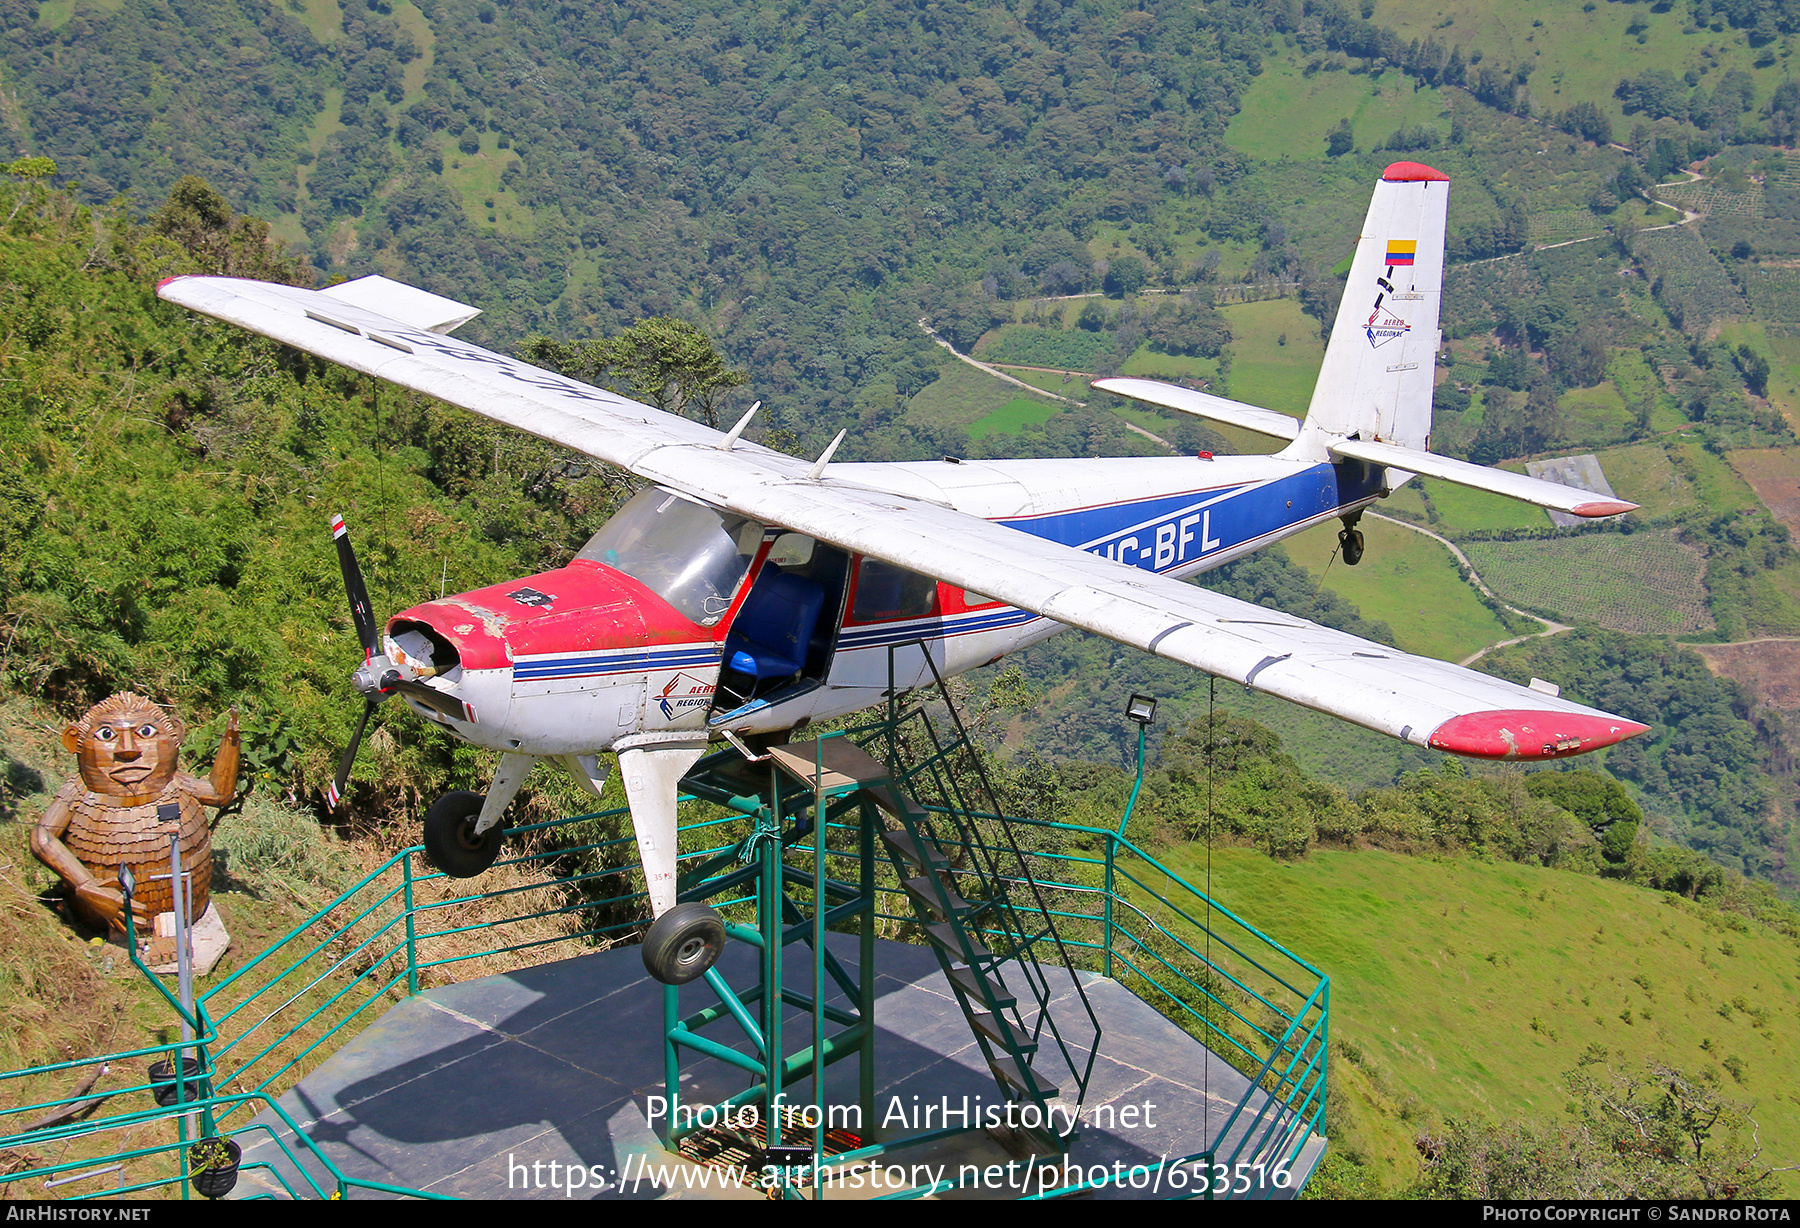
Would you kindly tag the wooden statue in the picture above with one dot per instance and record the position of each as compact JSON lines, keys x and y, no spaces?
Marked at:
{"x":129,"y":753}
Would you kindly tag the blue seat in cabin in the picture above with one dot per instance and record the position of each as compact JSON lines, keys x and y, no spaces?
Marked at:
{"x":772,"y":632}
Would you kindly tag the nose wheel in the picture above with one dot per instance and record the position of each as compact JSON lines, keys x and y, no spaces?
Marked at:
{"x":450,"y":839}
{"x":683,"y":943}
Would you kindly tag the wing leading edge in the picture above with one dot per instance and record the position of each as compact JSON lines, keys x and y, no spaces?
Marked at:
{"x":1417,"y":699}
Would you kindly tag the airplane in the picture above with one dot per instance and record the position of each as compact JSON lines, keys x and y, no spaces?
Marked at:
{"x":746,"y":593}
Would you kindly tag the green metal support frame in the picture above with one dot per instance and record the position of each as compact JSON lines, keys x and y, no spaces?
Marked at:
{"x":792,"y":905}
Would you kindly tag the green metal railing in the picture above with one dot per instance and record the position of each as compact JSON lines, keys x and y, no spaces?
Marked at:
{"x":1118,"y":913}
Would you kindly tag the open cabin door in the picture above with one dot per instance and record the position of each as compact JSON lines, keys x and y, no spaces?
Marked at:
{"x":781,"y":641}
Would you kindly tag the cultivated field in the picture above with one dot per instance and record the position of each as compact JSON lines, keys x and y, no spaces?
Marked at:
{"x":1688,"y":267}
{"x":1648,"y":583}
{"x":1770,"y":671}
{"x":1774,"y":474}
{"x":1706,"y":196}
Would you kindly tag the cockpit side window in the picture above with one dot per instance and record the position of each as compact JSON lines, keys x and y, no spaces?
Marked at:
{"x":884,"y":591}
{"x":690,"y":555}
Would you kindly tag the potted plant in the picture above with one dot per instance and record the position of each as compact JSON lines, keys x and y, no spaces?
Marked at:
{"x":194,"y":1085}
{"x":213,"y":1166}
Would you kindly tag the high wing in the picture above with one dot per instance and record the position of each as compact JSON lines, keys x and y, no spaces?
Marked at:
{"x":1417,"y":699}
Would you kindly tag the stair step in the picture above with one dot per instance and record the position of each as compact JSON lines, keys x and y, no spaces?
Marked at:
{"x":948,"y":936}
{"x":991,"y":1028}
{"x":924,"y":854}
{"x":1023,"y":1078}
{"x":924,"y":891}
{"x":895,"y":802}
{"x":972,"y":982}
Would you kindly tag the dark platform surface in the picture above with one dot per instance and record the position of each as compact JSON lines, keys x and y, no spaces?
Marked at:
{"x":475,"y":1089}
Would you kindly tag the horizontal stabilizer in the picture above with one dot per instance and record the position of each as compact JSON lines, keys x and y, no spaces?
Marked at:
{"x":1499,"y":481}
{"x":1203,"y":405}
{"x":408,"y":304}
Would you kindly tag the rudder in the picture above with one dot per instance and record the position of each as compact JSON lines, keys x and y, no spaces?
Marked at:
{"x":1376,"y":380}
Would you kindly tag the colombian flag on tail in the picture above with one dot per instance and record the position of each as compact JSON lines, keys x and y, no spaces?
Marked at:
{"x":1401,"y":251}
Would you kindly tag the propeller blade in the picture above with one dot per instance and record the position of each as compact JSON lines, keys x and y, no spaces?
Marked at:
{"x":367,"y":631}
{"x":334,"y":793}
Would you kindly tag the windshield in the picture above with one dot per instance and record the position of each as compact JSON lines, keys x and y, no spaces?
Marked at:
{"x":690,"y":555}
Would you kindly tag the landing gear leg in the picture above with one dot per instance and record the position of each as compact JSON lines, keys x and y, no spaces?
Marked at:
{"x":1350,"y":540}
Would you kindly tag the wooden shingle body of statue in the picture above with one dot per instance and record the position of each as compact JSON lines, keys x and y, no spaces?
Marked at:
{"x":129,"y":750}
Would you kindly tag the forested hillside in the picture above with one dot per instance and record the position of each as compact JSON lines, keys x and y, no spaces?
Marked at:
{"x":1072,"y":189}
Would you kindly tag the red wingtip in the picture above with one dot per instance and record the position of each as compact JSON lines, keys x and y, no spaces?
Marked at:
{"x":1526,"y":734}
{"x":1413,"y":172}
{"x":1602,"y":507}
{"x":165,"y":281}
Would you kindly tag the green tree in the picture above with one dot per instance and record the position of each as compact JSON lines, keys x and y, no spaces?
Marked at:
{"x":1599,"y":801}
{"x":1653,"y":1133}
{"x":664,"y":362}
{"x":196,"y":231}
{"x":1340,"y":140}
{"x":1126,"y":276}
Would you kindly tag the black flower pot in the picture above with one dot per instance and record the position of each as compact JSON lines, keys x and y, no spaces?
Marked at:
{"x":213,"y":1166}
{"x":194,"y":1087}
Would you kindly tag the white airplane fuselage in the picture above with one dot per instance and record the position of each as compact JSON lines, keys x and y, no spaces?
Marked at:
{"x":575,"y":660}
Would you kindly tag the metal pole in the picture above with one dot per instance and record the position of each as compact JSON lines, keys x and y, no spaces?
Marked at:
{"x":185,"y":985}
{"x":818,"y":1012}
{"x":1132,"y":800}
{"x":865,"y":974}
{"x":671,"y":1060}
{"x":412,"y":948}
{"x":1112,"y":851}
{"x":769,"y":903}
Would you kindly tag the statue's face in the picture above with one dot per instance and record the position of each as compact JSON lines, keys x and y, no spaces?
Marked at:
{"x":132,"y":750}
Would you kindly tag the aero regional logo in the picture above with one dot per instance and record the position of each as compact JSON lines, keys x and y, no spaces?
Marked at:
{"x":1383,"y":326}
{"x":683,"y":692}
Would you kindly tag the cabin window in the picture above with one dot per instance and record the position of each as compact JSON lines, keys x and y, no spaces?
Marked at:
{"x":884,"y":591}
{"x":690,"y":555}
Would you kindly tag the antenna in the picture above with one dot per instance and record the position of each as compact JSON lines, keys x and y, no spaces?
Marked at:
{"x":818,"y":469}
{"x":732,"y":438}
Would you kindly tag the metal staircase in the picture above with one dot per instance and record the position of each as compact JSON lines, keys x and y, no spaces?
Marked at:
{"x":982,"y":909}
{"x":972,"y":892}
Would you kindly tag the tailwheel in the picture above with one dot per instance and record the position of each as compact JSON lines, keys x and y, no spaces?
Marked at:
{"x":450,"y":839}
{"x":683,"y":943}
{"x":1350,"y":541}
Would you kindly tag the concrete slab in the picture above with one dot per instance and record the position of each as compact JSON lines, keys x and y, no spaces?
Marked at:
{"x":502,"y":1087}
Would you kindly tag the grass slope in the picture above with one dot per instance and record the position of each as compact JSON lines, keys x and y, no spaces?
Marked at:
{"x":1287,"y":113}
{"x":1407,"y":580}
{"x":962,"y":396}
{"x":1579,"y":56}
{"x":1470,"y":987}
{"x":1265,"y":370}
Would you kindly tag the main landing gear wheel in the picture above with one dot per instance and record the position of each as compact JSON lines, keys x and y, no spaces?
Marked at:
{"x":1350,"y":541}
{"x":450,"y":839}
{"x":683,"y":943}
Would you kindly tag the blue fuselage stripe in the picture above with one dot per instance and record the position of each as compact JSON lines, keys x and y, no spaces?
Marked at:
{"x":1171,"y":532}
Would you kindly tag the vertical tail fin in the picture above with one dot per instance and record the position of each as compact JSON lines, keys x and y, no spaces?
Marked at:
{"x":1377,"y":376}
